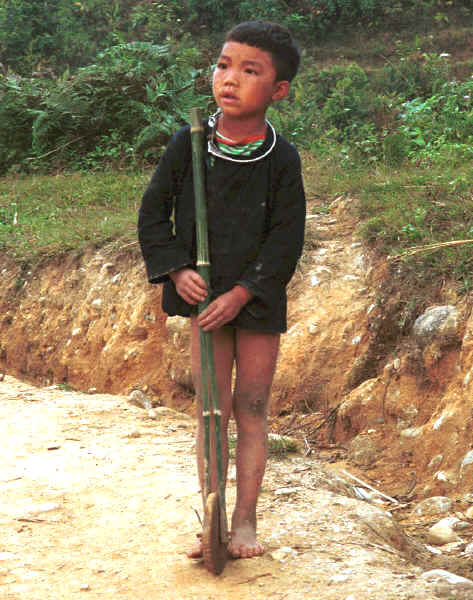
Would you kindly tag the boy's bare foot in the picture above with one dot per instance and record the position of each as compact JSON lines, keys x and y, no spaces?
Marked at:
{"x":197,"y":550}
{"x":243,"y":543}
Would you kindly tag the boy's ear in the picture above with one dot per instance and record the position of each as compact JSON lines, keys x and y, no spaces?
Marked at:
{"x":281,"y":90}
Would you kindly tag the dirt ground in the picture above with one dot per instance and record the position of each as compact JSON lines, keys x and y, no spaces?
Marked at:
{"x":98,"y":500}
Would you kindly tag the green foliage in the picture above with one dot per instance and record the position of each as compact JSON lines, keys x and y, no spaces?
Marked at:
{"x":440,"y":128}
{"x":18,"y":102}
{"x":414,"y":73}
{"x":59,"y":33}
{"x":123,"y":107}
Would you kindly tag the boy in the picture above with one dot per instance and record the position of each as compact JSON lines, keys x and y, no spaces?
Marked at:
{"x":256,"y":214}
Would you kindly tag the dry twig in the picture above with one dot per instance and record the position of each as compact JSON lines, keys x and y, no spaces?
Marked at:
{"x":428,"y":248}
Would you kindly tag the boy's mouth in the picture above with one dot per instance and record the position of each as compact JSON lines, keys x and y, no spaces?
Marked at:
{"x":228,"y":96}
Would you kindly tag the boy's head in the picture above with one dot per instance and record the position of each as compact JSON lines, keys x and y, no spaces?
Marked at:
{"x":274,"y":39}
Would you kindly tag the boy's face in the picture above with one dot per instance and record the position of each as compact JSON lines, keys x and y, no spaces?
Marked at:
{"x":244,"y":81}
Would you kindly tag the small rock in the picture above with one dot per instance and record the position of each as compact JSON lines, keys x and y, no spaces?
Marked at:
{"x":286,"y":491}
{"x":469,"y":512}
{"x":435,"y":462}
{"x":445,"y":477}
{"x":461,"y":526}
{"x":411,"y":432}
{"x":466,"y":463}
{"x":138,"y":333}
{"x":434,"y":505}
{"x":139,"y":399}
{"x":85,"y":587}
{"x":469,"y":550}
{"x":381,"y":524}
{"x":441,"y":533}
{"x":339,"y":578}
{"x":282,"y":553}
{"x":134,"y":435}
{"x":363,"y":450}
{"x":152,"y":414}
{"x":446,"y":584}
{"x":439,"y":323}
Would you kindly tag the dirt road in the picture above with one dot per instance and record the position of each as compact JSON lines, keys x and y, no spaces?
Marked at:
{"x":97,"y":501}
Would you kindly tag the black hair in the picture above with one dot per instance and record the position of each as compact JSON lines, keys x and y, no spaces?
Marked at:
{"x":272,"y":38}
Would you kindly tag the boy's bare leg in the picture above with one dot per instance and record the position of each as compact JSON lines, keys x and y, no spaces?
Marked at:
{"x":224,"y":344}
{"x":256,"y":356}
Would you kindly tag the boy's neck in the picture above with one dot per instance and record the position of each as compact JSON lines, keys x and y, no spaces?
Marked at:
{"x":238,"y":129}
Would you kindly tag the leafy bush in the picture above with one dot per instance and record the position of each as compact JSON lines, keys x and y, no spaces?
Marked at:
{"x":125,"y":105}
{"x":59,"y":33}
{"x":414,"y":73}
{"x":18,"y":101}
{"x":336,"y":105}
{"x":440,"y":128}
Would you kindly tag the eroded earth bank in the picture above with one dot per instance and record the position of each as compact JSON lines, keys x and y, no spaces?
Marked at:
{"x":393,"y":410}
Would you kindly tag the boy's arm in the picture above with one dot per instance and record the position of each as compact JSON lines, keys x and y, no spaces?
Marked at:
{"x":162,"y":250}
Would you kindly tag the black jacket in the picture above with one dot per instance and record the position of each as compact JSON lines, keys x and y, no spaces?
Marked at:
{"x":256,"y":215}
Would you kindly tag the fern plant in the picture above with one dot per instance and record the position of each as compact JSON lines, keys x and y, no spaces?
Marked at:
{"x":133,"y":97}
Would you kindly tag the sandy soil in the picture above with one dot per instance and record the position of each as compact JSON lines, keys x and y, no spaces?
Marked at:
{"x":97,"y":500}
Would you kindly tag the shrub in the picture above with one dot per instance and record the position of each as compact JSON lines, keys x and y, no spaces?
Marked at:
{"x":128,"y":102}
{"x":19,"y":99}
{"x":441,"y":127}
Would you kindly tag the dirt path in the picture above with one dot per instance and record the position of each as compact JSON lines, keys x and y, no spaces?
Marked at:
{"x":97,"y":501}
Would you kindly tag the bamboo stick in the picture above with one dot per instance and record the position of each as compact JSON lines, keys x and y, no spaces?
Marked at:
{"x":210,"y":403}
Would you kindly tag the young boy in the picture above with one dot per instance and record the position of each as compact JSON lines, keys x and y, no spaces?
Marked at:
{"x":256,"y":214}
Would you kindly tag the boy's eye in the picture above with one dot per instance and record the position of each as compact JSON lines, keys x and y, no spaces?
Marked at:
{"x":221,"y":65}
{"x":251,"y":71}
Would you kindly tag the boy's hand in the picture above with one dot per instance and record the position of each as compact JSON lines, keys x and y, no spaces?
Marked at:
{"x":189,"y":285}
{"x":224,"y":308}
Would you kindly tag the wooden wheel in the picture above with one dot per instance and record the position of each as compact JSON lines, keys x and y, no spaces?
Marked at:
{"x":214,"y":550}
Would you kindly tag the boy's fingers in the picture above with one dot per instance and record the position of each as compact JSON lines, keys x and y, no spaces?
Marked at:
{"x":198,"y":280}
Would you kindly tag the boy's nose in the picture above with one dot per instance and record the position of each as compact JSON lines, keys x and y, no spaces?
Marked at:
{"x":230,"y":77}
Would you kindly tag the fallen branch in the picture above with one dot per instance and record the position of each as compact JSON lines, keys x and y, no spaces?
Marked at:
{"x":56,"y":149}
{"x":370,"y":487}
{"x":428,"y":248}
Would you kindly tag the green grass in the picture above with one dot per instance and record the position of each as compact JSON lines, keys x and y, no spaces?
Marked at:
{"x":417,"y":206}
{"x":43,"y":215}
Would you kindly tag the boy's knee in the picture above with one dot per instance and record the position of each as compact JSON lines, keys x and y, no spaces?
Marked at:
{"x":252,"y":402}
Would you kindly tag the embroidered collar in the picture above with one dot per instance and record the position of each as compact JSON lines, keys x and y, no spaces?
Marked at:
{"x":214,"y":150}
